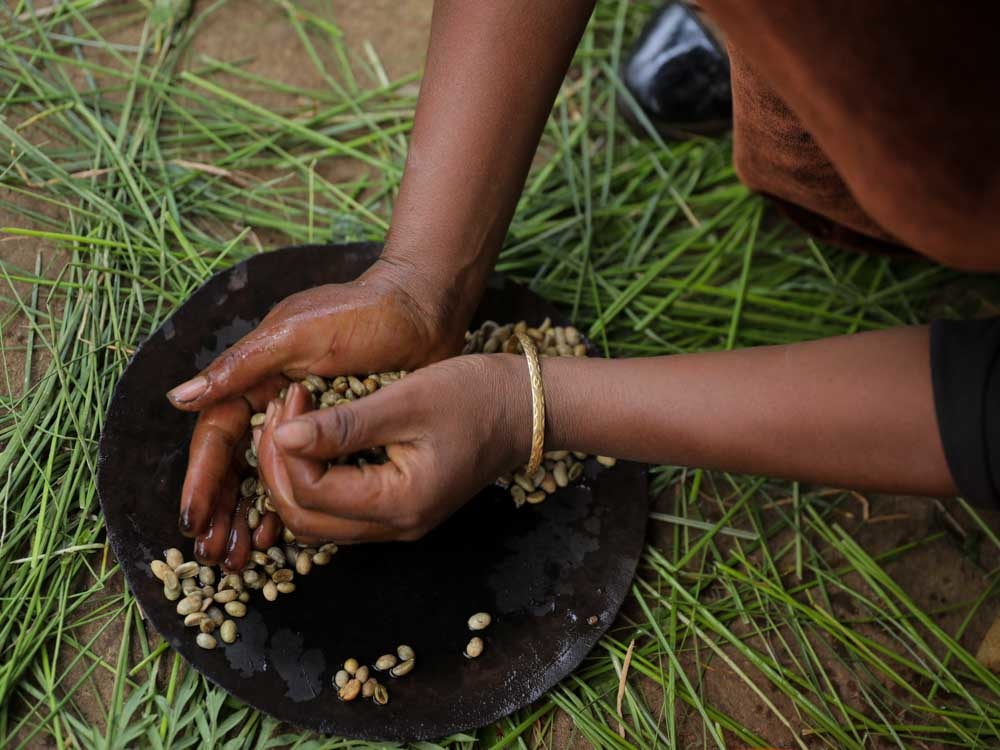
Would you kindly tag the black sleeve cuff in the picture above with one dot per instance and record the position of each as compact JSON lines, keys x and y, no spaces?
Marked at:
{"x":965,"y":369}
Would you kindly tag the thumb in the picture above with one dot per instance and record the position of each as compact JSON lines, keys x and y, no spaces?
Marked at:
{"x":260,"y":353}
{"x":379,"y":419}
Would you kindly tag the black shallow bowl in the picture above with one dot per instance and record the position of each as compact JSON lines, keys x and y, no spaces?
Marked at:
{"x":543,"y":571}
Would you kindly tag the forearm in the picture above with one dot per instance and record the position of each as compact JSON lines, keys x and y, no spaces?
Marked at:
{"x":853,"y":411}
{"x":493,"y":71}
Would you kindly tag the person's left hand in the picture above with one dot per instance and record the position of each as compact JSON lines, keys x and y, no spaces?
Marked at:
{"x":216,"y":466}
{"x":449,"y":430}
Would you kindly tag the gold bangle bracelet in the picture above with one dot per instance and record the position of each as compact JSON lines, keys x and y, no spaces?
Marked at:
{"x":537,"y":403}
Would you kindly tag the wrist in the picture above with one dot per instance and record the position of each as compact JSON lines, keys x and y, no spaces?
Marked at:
{"x":564,"y":382}
{"x":510,"y":391}
{"x":562,"y":378}
{"x":442,"y":332}
{"x":447,"y":274}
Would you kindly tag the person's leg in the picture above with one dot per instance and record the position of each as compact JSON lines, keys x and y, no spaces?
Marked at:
{"x":774,"y":154}
{"x":886,"y":121}
{"x":685,"y":82}
{"x":679,"y":74}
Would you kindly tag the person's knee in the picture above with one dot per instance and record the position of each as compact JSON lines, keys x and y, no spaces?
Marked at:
{"x":952,"y":227}
{"x":938,"y":216}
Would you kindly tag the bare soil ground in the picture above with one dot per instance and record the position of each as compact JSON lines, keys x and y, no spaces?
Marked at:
{"x":937,"y":575}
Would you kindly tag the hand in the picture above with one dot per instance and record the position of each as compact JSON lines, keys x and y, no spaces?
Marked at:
{"x":372,"y":324}
{"x":216,"y":464}
{"x":449,"y":430}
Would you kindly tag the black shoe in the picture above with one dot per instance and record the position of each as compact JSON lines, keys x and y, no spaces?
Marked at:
{"x":679,"y":74}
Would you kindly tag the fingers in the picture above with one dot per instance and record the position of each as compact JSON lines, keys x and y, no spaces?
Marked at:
{"x":365,"y":493}
{"x":216,"y":451}
{"x":267,"y":465}
{"x":382,"y":418}
{"x":210,"y":457}
{"x":261,"y":353}
{"x":344,"y":493}
{"x":210,"y":547}
{"x":260,"y":394}
{"x":304,"y":523}
{"x":267,"y":534}
{"x":239,"y":545}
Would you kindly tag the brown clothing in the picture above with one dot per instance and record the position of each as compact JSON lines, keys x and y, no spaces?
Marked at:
{"x":886,"y":130}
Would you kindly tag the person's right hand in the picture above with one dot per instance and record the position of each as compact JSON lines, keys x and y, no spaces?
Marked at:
{"x":375,"y":323}
{"x":448,"y":430}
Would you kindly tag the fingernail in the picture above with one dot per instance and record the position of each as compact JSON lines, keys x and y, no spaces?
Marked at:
{"x":188,"y":391}
{"x":295,"y":434}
